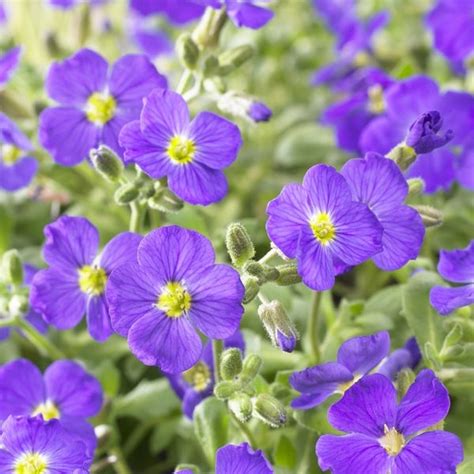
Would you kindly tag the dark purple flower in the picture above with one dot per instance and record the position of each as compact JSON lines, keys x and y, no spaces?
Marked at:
{"x":176,"y":12}
{"x":239,"y":459}
{"x":8,"y":64}
{"x":95,"y":103}
{"x":30,"y":445}
{"x":197,"y":383}
{"x":17,"y":167}
{"x":355,"y":358}
{"x":456,"y":266}
{"x":174,"y":288}
{"x":320,"y":225}
{"x":378,"y":182}
{"x":423,"y":134}
{"x":74,"y":283}
{"x":259,"y":112}
{"x":452,"y":24}
{"x":66,"y":392}
{"x":383,"y":436}
{"x":191,"y":153}
{"x":406,"y":357}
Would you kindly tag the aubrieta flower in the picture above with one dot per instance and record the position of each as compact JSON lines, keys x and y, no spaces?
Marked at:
{"x":151,"y":42}
{"x":384,"y":436}
{"x":355,"y":358}
{"x":192,"y":154}
{"x":65,"y":392}
{"x":8,"y":63}
{"x":320,"y":225}
{"x":452,"y":24}
{"x":176,"y":12}
{"x":74,"y":283}
{"x":67,"y":4}
{"x":95,"y":103}
{"x":456,"y":266}
{"x":174,"y":287}
{"x":197,"y":383}
{"x":378,"y":182}
{"x":17,"y":166}
{"x":259,"y":112}
{"x":32,"y":446}
{"x":407,"y":356}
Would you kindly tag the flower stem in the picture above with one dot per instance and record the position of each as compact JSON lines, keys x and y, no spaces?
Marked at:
{"x":217,"y":347}
{"x":313,"y":326}
{"x":244,"y":429}
{"x":38,"y":340}
{"x":305,"y":465}
{"x":183,"y":81}
{"x":268,"y":256}
{"x":120,"y":465}
{"x":136,"y":217}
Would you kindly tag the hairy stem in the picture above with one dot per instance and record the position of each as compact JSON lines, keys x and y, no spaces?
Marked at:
{"x":43,"y":345}
{"x":217,"y":347}
{"x":313,"y":326}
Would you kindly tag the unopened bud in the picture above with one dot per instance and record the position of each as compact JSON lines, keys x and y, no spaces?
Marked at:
{"x":234,"y":58}
{"x":252,"y":288}
{"x":405,"y":378}
{"x":453,"y":352}
{"x":279,"y":390}
{"x":288,"y":274}
{"x":224,"y":390}
{"x":251,"y":367}
{"x":271,"y":273}
{"x":231,"y":363}
{"x":416,"y":186}
{"x":430,"y":216}
{"x":126,"y":194}
{"x":257,"y":270}
{"x":107,"y":163}
{"x":241,"y":405}
{"x":239,"y":244}
{"x":13,"y":267}
{"x":18,"y":305}
{"x":270,"y":410}
{"x":403,"y":155}
{"x":211,"y":66}
{"x":244,"y":106}
{"x":165,"y":201}
{"x":432,"y":355}
{"x":187,"y":51}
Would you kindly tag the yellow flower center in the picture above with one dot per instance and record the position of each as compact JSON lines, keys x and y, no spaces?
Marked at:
{"x":10,"y":154}
{"x":323,"y":228}
{"x":198,"y":376}
{"x":100,"y":108}
{"x":31,"y":463}
{"x":48,"y":409}
{"x":174,"y":300}
{"x":92,"y":280}
{"x":181,"y":150}
{"x":376,"y":99}
{"x":361,"y":59}
{"x":392,"y":441}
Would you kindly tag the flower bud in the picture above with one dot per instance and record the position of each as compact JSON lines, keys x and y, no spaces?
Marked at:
{"x":432,"y":355}
{"x":239,"y":245}
{"x":126,"y":194}
{"x":231,"y":363}
{"x":18,"y":305}
{"x":279,"y":390}
{"x":271,"y":273}
{"x":13,"y":267}
{"x":259,"y":112}
{"x":423,"y":133}
{"x":211,"y":66}
{"x":453,"y":336}
{"x":429,"y":215}
{"x":256,"y":270}
{"x":252,"y":288}
{"x":187,"y":51}
{"x":270,"y":410}
{"x":244,"y":106}
{"x":234,"y":58}
{"x":107,"y":163}
{"x":251,"y":367}
{"x":224,"y":390}
{"x":288,"y":274}
{"x":165,"y":201}
{"x":403,"y":155}
{"x":241,"y":406}
{"x":453,"y":352}
{"x":405,"y":378}
{"x":416,"y":186}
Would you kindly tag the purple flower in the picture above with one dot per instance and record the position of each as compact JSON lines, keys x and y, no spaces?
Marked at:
{"x":406,"y":357}
{"x":197,"y":383}
{"x":452,"y":24}
{"x":29,"y":445}
{"x":259,"y":112}
{"x":151,"y":42}
{"x":378,"y":182}
{"x":74,"y":283}
{"x":95,"y":103}
{"x":174,"y":288}
{"x":423,"y":134}
{"x":239,"y":459}
{"x":383,"y":436}
{"x":66,"y":392}
{"x":192,"y":154}
{"x":8,"y":64}
{"x":456,"y":266}
{"x":355,"y":358}
{"x":17,"y":167}
{"x":68,"y":4}
{"x":176,"y":12}
{"x":320,"y":225}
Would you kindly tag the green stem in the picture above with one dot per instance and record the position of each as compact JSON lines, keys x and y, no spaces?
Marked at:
{"x":183,"y":81}
{"x":304,"y":466}
{"x":268,"y":256}
{"x":38,"y":340}
{"x":245,"y":431}
{"x":136,"y":217}
{"x":120,"y":466}
{"x":217,"y":347}
{"x":137,"y":435}
{"x":313,"y":326}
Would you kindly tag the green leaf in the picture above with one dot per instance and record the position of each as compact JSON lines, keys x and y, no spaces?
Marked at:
{"x":467,"y":467}
{"x":109,"y":377}
{"x":316,"y":418}
{"x":163,"y":434}
{"x":284,"y":454}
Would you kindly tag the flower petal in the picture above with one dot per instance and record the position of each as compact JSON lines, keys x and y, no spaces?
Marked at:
{"x":446,"y":300}
{"x":237,"y":459}
{"x":457,"y":265}
{"x":119,"y":251}
{"x":98,"y":319}
{"x":382,"y":134}
{"x":320,"y":377}
{"x":18,"y":175}
{"x":191,"y":400}
{"x":307,"y":401}
{"x":246,"y":14}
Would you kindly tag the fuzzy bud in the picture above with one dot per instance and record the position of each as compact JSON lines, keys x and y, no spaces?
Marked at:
{"x":126,"y":194}
{"x":270,"y":410}
{"x":252,"y":287}
{"x":234,"y":58}
{"x":403,"y":155}
{"x":241,"y":406}
{"x":257,"y":270}
{"x":288,"y":274}
{"x":405,"y":378}
{"x":453,"y":336}
{"x":416,"y":186}
{"x":432,"y":355}
{"x":13,"y":267}
{"x":187,"y":51}
{"x":271,"y":273}
{"x":239,"y":244}
{"x":279,"y":390}
{"x":107,"y":163}
{"x":231,"y":363}
{"x":251,"y":367}
{"x":430,"y":216}
{"x":244,"y":106}
{"x":165,"y":201}
{"x":224,"y":390}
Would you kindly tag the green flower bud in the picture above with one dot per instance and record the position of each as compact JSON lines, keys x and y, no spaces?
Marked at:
{"x":18,"y":305}
{"x":416,"y":186}
{"x":107,"y":163}
{"x":429,"y":215}
{"x":234,"y":58}
{"x":13,"y":267}
{"x":270,"y":410}
{"x":165,"y":201}
{"x":288,"y":274}
{"x":231,"y":363}
{"x":432,"y":356}
{"x":239,"y":244}
{"x":404,"y":379}
{"x":256,"y":270}
{"x":252,"y":288}
{"x":187,"y":51}
{"x":224,"y":390}
{"x":126,"y":194}
{"x":280,"y":391}
{"x":452,"y":352}
{"x":208,"y":31}
{"x":403,"y":155}
{"x":241,"y":406}
{"x":251,"y":367}
{"x":453,"y":336}
{"x":211,"y":66}
{"x":271,"y":273}
{"x":190,"y":467}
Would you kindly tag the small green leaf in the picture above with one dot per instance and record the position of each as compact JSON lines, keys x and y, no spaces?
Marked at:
{"x":284,"y":454}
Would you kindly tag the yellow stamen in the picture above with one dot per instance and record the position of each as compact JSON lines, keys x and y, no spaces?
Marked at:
{"x":10,"y":154}
{"x":48,"y":409}
{"x":100,"y":108}
{"x":199,"y":376}
{"x":392,"y":441}
{"x":92,"y":280}
{"x":174,"y":300}
{"x":323,"y":228}
{"x":181,"y":150}
{"x":31,"y":463}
